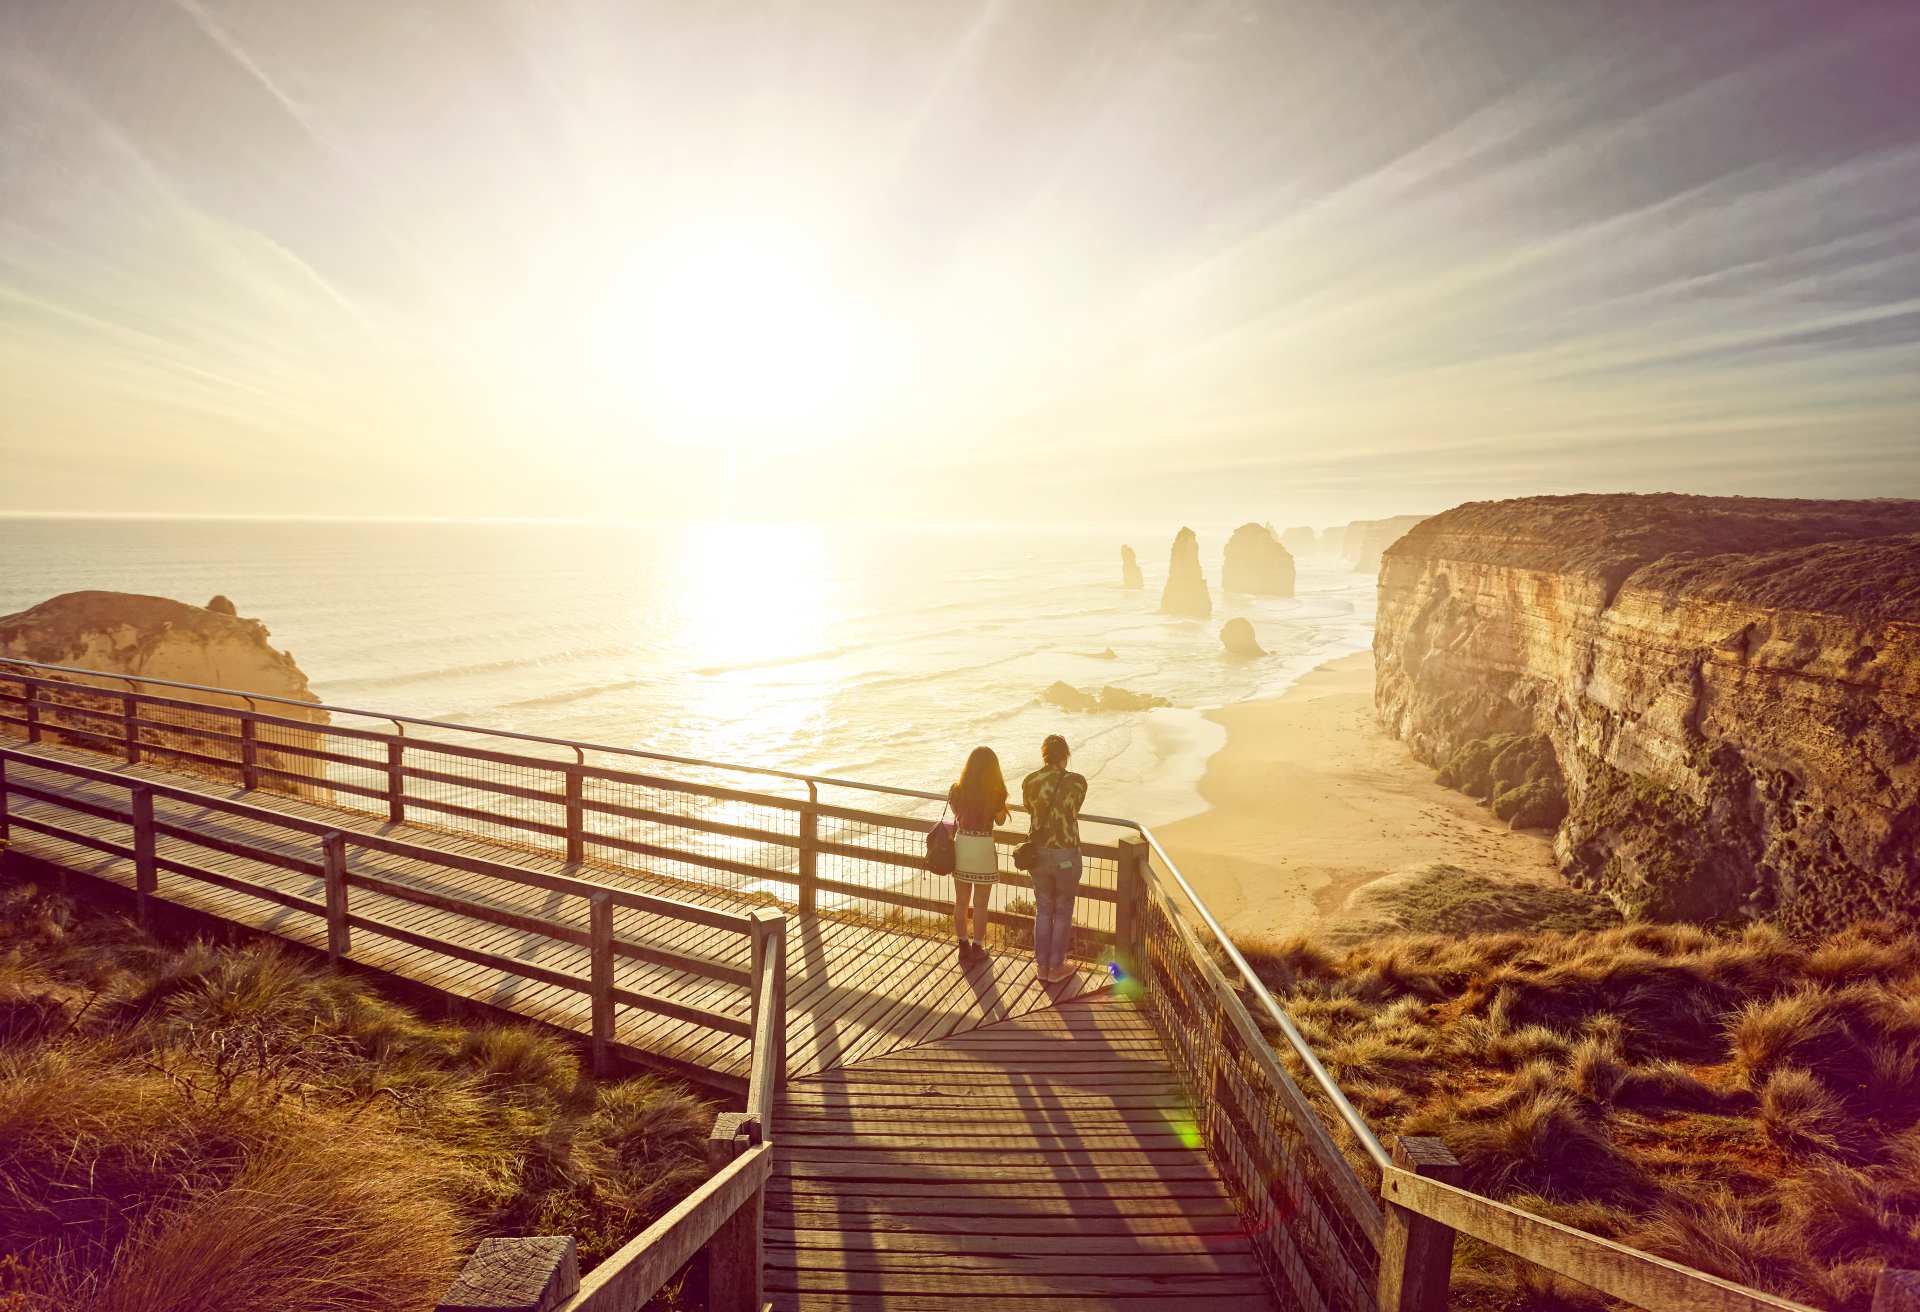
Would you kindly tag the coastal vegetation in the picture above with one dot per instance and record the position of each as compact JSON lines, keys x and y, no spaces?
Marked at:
{"x":1736,"y":1100}
{"x":198,"y":1124}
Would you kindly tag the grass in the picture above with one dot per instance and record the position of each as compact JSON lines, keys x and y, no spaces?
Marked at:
{"x":1736,"y":1100}
{"x":198,"y":1125}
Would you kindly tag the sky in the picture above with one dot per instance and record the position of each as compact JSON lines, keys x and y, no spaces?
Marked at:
{"x":1038,"y":260}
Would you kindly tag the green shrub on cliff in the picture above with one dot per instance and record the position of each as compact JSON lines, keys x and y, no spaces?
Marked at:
{"x":200,"y":1126}
{"x":1516,"y":774}
{"x":1741,"y":1102}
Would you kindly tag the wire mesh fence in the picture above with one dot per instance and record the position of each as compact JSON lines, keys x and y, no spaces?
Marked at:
{"x":1301,"y":1207}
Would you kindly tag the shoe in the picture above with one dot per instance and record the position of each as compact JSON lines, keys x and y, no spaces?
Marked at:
{"x":1060,"y":976}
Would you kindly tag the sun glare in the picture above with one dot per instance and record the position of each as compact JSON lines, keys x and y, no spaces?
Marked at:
{"x":738,"y":333}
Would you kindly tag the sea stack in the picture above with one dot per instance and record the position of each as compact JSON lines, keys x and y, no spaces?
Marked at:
{"x":1257,"y":564}
{"x":1299,"y":541}
{"x":1186,"y":591}
{"x":1236,"y":635}
{"x":1130,"y":576}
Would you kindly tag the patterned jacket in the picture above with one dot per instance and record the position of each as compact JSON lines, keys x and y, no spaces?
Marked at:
{"x":1054,"y":794}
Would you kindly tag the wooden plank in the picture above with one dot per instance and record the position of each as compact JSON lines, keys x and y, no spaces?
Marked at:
{"x":1614,"y":1269}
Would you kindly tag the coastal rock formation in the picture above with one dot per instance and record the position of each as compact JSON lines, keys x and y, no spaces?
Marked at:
{"x":1728,"y":689}
{"x":222,"y":605}
{"x":1256,"y":563}
{"x":1365,"y":540}
{"x":1069,"y":698}
{"x":124,"y":633}
{"x":1186,"y":591}
{"x":1300,"y":541}
{"x":1130,"y":576}
{"x":1237,"y":636}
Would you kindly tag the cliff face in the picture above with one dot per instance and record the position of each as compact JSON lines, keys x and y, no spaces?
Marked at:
{"x":1363,"y":541}
{"x":1186,"y":591}
{"x":1729,"y":688}
{"x":1256,"y":563}
{"x":153,"y":637}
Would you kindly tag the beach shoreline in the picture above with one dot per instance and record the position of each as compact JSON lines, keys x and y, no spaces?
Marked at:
{"x":1309,"y":802}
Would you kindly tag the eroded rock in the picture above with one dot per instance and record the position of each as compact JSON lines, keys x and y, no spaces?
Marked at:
{"x":1186,"y":591}
{"x":1255,"y":563}
{"x":1236,"y":635}
{"x":1130,"y":576}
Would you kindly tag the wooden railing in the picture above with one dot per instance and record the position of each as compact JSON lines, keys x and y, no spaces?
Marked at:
{"x":325,"y":852}
{"x":716,"y":1232}
{"x":577,"y":801}
{"x":1330,"y":1238}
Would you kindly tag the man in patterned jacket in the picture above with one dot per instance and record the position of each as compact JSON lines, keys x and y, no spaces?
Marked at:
{"x":1053,"y":795}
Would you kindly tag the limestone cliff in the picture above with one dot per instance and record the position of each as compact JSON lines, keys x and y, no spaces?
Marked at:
{"x":1729,"y":688}
{"x":1363,"y":541}
{"x":122,"y":633}
{"x":1186,"y":591}
{"x":1130,"y":576}
{"x":1255,"y":563}
{"x":1300,"y":541}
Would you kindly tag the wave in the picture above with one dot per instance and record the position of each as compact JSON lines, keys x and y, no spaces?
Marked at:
{"x":574,"y":694}
{"x":440,"y":674}
{"x":775,"y":662}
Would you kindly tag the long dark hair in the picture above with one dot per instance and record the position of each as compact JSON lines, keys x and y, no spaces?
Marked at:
{"x":981,"y":787}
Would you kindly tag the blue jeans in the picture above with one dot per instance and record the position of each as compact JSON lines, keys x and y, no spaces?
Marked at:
{"x":1056,"y":880}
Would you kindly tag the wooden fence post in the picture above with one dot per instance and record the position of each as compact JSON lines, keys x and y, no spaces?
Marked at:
{"x":1896,"y":1291}
{"x":531,"y":1273}
{"x":735,"y":1256}
{"x":809,"y":872}
{"x":339,"y":942}
{"x":600,"y":933}
{"x":128,"y":709}
{"x":249,"y":772}
{"x":1129,"y":878}
{"x":5,"y":829}
{"x":1416,"y":1252}
{"x":576,"y":818}
{"x":33,"y":711}
{"x":396,"y":782}
{"x":145,"y":881}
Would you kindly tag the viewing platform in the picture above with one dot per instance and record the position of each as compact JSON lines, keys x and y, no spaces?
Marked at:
{"x":917,"y":1130}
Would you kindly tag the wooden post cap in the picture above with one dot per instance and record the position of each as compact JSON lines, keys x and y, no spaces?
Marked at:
{"x":1897,"y":1291}
{"x":535,"y":1273}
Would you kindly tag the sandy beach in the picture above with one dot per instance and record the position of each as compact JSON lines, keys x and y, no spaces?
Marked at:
{"x":1310,"y":802}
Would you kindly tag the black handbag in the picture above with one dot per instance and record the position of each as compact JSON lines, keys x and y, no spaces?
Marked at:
{"x":940,"y":858}
{"x":1026,"y":856}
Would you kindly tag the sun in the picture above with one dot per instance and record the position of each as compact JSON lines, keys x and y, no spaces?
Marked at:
{"x":733,"y":332}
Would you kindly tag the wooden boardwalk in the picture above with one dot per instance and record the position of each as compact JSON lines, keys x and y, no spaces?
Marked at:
{"x":1048,"y":1161}
{"x":854,"y":991}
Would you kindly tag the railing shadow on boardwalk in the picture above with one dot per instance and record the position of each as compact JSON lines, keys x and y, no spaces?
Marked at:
{"x":601,"y":878}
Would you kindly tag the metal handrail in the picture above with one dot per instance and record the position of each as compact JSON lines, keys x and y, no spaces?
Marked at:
{"x":1268,"y":1003}
{"x":1271,"y":1005}
{"x":574,"y":744}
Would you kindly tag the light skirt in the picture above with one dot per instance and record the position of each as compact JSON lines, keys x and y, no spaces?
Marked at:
{"x":975,"y":859}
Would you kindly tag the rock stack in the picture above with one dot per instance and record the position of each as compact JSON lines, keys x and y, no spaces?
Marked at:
{"x":1236,"y":635}
{"x":1300,"y":541}
{"x":1257,"y":564}
{"x":1130,"y":576}
{"x":1186,"y":591}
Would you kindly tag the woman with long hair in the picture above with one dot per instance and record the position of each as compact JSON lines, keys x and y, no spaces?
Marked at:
{"x":979,"y":802}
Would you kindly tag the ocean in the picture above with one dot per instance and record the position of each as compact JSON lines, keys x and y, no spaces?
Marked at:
{"x":875,"y":653}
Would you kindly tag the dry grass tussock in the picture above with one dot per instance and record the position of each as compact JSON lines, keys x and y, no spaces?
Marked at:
{"x":228,"y":1126}
{"x":1737,"y":1101}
